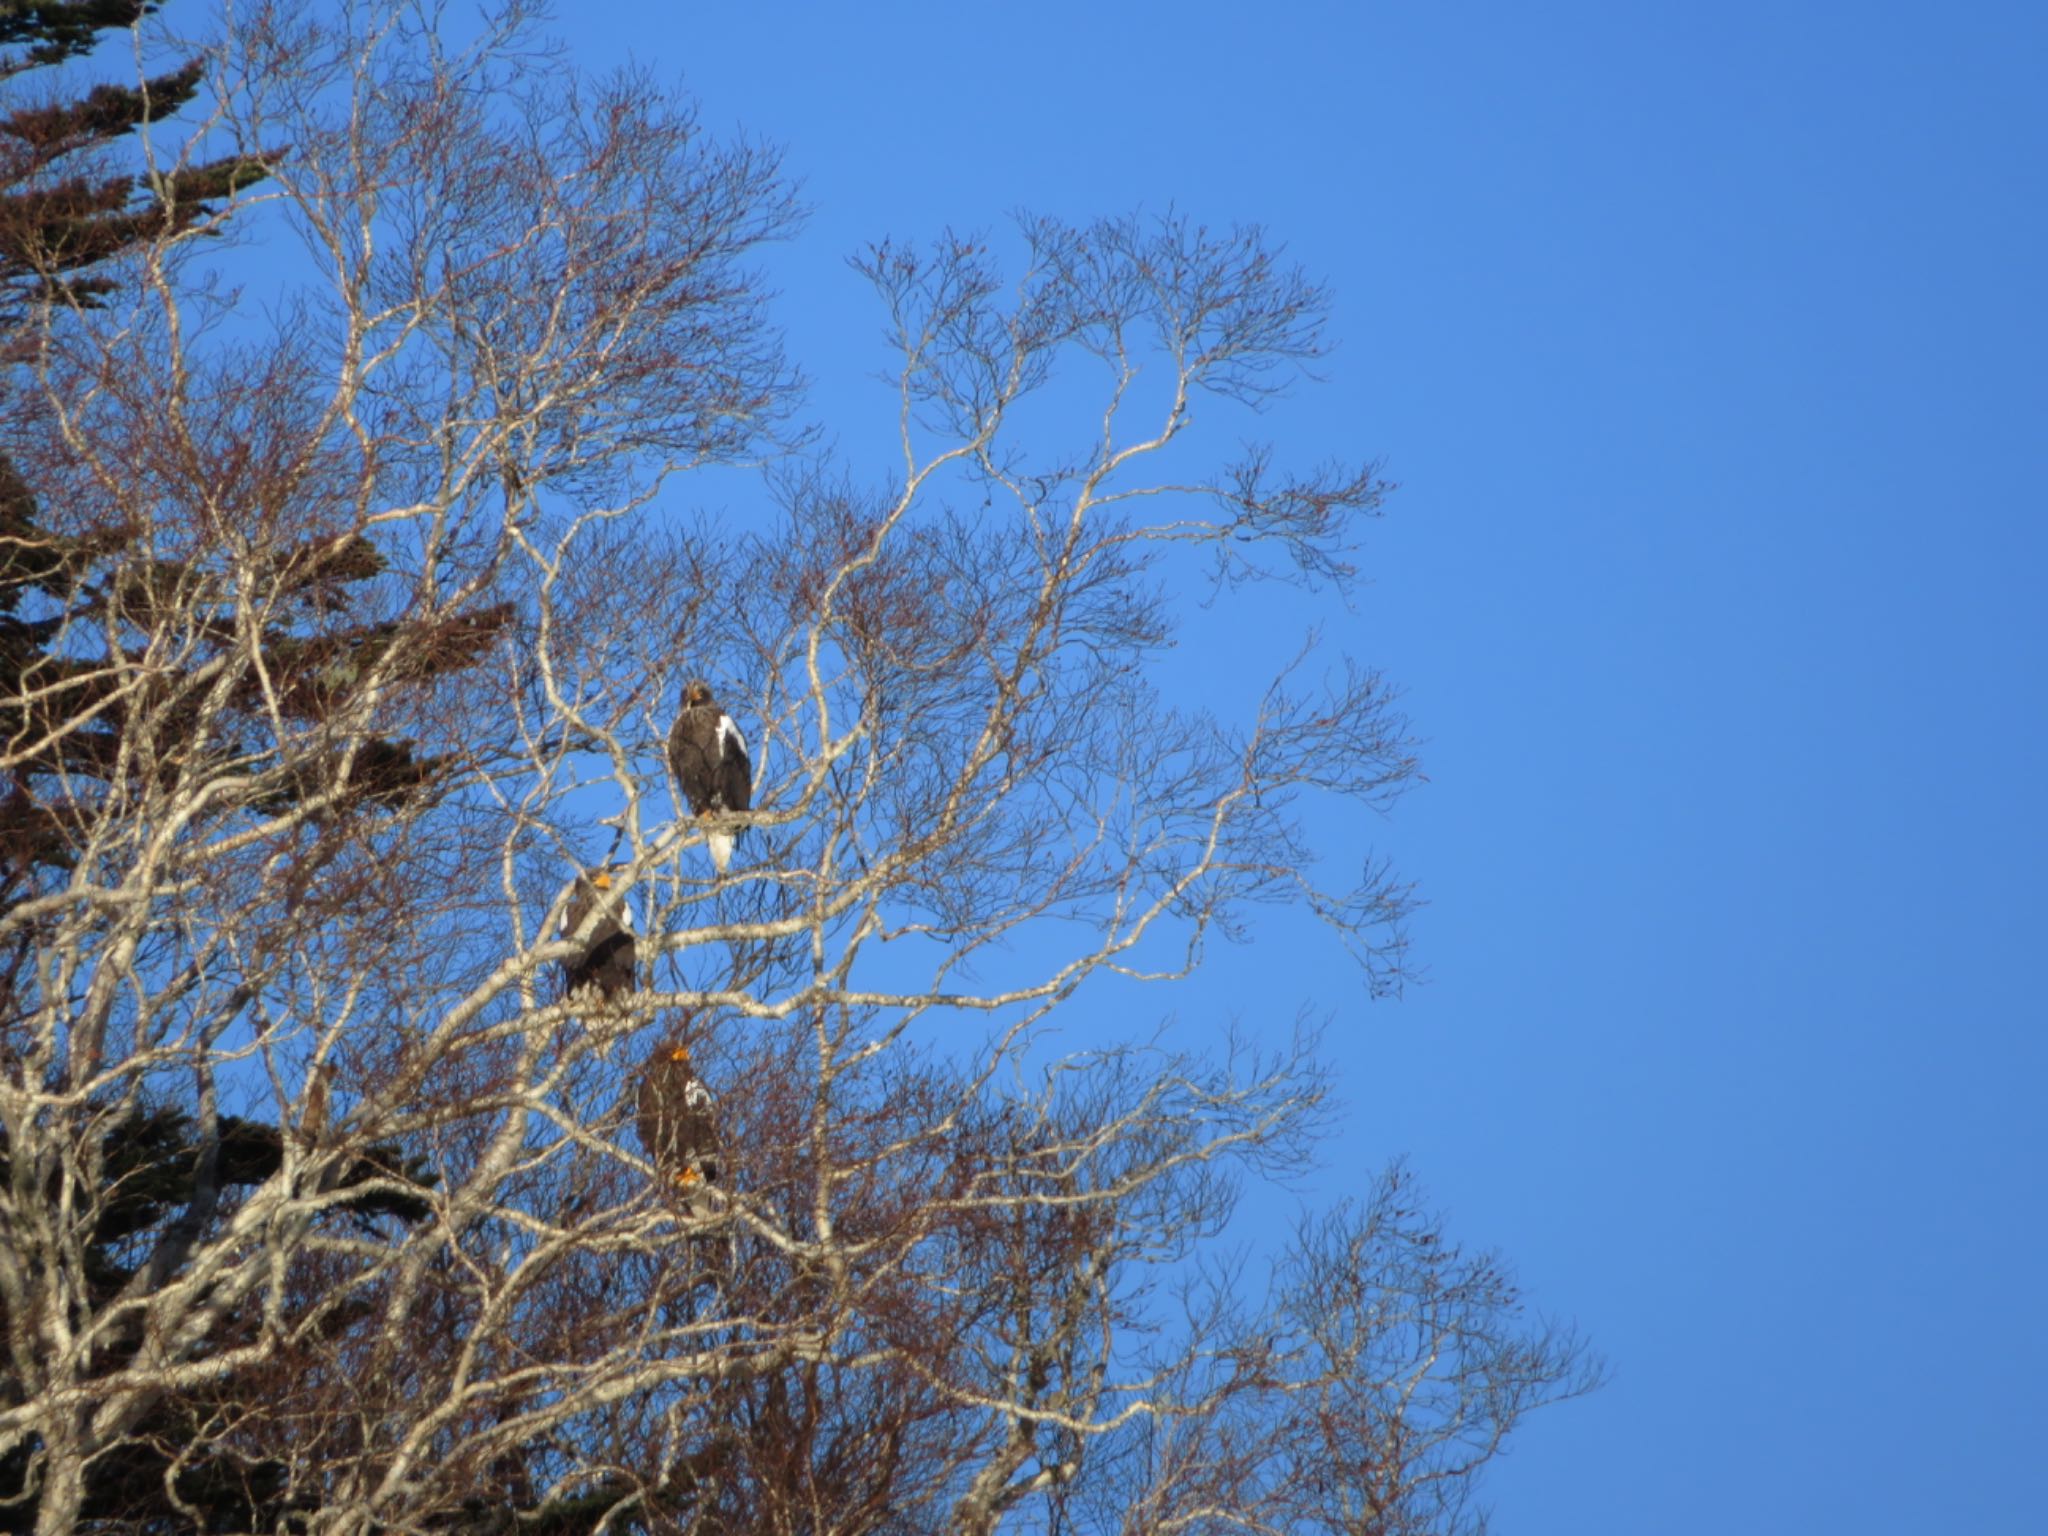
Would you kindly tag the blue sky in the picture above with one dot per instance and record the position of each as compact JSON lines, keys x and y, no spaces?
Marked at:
{"x":1706,"y":344}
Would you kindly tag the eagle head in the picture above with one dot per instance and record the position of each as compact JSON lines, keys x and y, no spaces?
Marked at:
{"x":698,"y":692}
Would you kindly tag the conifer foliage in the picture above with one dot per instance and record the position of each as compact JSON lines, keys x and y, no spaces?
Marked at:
{"x":65,"y":212}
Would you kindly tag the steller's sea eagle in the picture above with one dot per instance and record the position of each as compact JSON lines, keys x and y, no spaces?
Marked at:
{"x":601,"y":916}
{"x":709,"y":757}
{"x":679,"y":1126}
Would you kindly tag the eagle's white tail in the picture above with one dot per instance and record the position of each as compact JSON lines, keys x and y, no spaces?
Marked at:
{"x":720,"y":844}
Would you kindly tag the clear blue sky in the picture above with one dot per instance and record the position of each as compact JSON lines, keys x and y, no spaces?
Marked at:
{"x":1707,"y":343}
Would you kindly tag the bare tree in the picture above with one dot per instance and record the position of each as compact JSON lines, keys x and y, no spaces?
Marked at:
{"x":348,"y":602}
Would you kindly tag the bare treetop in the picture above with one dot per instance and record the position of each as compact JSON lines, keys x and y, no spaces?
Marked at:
{"x":406,"y":1126}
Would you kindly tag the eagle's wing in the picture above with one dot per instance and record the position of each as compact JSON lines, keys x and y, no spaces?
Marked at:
{"x":647,"y":1117}
{"x":735,"y":770}
{"x":700,"y":1129}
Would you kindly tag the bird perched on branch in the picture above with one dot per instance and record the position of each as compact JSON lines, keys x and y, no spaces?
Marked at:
{"x":709,"y":757}
{"x":679,"y":1127}
{"x":601,"y":917}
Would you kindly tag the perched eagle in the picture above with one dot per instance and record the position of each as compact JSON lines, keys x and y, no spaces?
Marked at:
{"x":679,"y":1126}
{"x":602,"y":917}
{"x":709,"y":756}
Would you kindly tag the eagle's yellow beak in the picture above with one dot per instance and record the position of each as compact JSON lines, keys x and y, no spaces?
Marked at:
{"x":602,"y":880}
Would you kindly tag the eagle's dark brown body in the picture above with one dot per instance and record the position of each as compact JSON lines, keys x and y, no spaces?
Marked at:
{"x":708,"y":756}
{"x":679,"y":1125}
{"x":602,"y":917}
